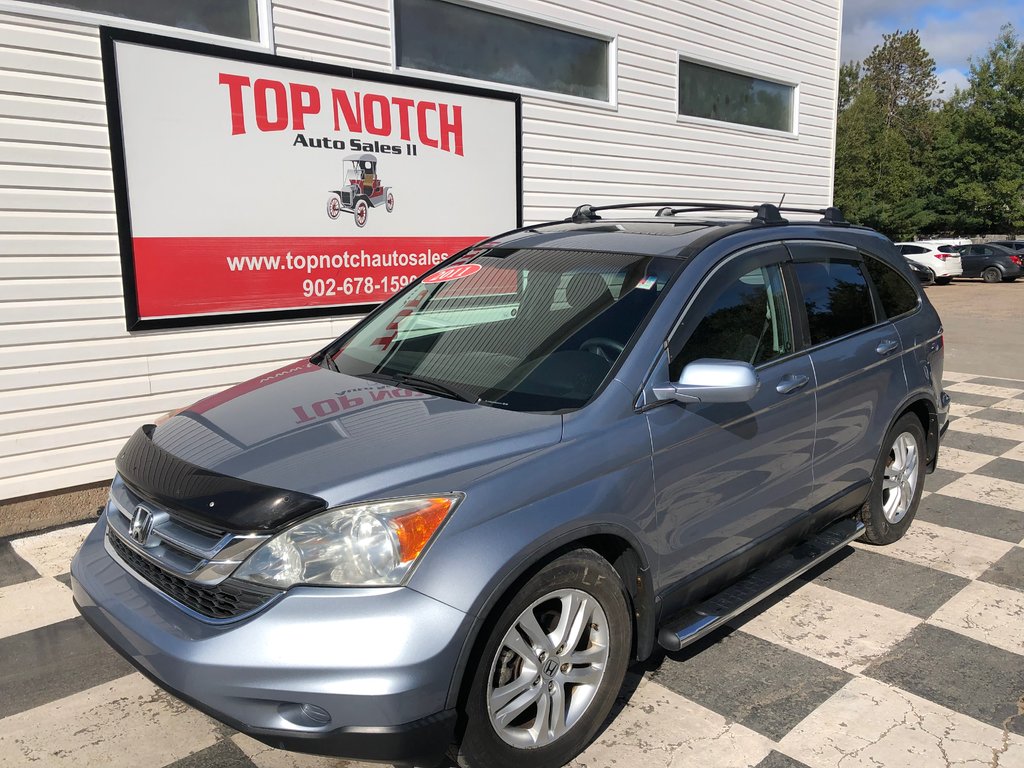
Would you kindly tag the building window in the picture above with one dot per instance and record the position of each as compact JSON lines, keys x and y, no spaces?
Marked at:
{"x":452,"y":39}
{"x":718,"y":94}
{"x":229,"y":18}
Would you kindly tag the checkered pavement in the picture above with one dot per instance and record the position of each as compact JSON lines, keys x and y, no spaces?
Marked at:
{"x":906,"y":655}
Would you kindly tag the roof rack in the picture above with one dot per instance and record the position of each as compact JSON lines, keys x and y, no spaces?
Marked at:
{"x":830,"y":215}
{"x":765,"y":213}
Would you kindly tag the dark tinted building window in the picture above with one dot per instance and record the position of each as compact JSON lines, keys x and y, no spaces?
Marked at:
{"x":461,"y":40}
{"x":231,"y":18}
{"x":719,"y":94}
{"x":837,"y":298}
{"x":897,"y":295}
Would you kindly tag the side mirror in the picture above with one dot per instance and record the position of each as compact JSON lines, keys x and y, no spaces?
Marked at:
{"x":712,"y":381}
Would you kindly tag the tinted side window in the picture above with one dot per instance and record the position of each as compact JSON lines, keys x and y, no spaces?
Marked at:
{"x":748,"y":321}
{"x":897,"y":295}
{"x":836,"y":297}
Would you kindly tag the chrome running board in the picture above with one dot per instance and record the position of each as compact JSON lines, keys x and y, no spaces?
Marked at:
{"x":708,"y":616}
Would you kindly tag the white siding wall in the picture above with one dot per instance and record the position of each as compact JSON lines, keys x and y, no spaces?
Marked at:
{"x":74,"y":384}
{"x":639,"y":150}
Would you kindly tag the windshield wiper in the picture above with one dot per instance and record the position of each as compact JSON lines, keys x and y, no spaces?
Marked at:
{"x":425,"y":385}
{"x":438,"y":388}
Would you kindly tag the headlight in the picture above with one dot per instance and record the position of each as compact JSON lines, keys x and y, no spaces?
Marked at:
{"x":363,"y":544}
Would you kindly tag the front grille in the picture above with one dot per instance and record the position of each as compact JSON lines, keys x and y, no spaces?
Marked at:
{"x":227,"y":600}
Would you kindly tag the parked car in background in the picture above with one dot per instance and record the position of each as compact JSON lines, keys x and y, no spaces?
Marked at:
{"x":944,"y":241}
{"x":992,"y":263}
{"x":1017,"y":246}
{"x":455,"y":526}
{"x":943,"y":261}
{"x":925,"y":275}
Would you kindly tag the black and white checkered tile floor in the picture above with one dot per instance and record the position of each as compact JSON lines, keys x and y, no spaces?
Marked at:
{"x":907,"y":655}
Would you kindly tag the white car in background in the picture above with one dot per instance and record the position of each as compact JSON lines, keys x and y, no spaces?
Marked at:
{"x":943,"y":261}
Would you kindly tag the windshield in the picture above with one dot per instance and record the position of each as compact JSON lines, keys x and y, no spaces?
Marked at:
{"x":527,"y":330}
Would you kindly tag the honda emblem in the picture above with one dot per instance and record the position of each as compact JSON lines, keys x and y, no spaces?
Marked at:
{"x":142,"y":525}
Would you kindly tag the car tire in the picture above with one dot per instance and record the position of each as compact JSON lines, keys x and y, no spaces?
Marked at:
{"x":550,"y":668}
{"x":897,"y":483}
{"x":992,"y":275}
{"x":943,"y":280}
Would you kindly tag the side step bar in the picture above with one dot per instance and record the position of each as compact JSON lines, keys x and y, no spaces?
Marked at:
{"x":757,"y":585}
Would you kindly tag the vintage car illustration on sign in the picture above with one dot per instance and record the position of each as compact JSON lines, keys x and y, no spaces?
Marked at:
{"x":362,"y":192}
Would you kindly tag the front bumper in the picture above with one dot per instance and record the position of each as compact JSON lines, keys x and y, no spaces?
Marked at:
{"x":378,"y":661}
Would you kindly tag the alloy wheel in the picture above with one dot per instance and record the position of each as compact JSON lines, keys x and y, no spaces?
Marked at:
{"x":548,"y":668}
{"x":900,"y":481}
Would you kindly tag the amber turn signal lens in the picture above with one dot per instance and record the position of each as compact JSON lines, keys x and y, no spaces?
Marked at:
{"x":414,"y":529}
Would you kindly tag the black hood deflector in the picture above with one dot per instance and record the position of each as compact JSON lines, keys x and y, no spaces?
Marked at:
{"x":208,"y":498}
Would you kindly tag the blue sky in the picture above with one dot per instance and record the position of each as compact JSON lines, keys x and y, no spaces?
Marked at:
{"x":951,"y":30}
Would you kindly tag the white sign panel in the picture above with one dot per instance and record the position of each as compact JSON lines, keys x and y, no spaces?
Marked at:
{"x":252,"y":183}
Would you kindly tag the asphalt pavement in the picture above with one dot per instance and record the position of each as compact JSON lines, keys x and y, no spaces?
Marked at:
{"x":983,"y":325}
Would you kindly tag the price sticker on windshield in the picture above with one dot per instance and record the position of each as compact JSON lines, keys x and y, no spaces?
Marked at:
{"x":453,"y":273}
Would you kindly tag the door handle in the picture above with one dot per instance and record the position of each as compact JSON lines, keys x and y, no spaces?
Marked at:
{"x":791,"y":383}
{"x":887,"y":347}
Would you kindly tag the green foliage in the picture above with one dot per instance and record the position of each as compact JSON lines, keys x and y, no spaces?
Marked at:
{"x":883,"y":131}
{"x":849,"y":81}
{"x":985,"y":161}
{"x":912,"y":166}
{"x":902,"y":75}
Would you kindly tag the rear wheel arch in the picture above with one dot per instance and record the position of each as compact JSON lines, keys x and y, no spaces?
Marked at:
{"x":924,"y":409}
{"x":613,"y":543}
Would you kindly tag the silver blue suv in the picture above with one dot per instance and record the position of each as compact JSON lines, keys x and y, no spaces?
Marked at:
{"x":453,"y":528}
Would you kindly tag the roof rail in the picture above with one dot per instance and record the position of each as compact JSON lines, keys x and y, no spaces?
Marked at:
{"x":766,"y":213}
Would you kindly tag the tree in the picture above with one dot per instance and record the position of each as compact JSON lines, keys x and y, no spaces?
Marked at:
{"x":883,"y":132}
{"x":983,"y":152}
{"x":849,"y":81}
{"x":902,"y":75}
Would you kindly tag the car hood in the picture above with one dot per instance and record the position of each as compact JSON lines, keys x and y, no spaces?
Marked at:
{"x":342,"y":438}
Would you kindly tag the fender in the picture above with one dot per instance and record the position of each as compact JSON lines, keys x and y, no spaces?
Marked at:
{"x":931,"y":427}
{"x":641,"y":594}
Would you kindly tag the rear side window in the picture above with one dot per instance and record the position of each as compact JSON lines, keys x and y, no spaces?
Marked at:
{"x":898,"y":296}
{"x":836,"y":297}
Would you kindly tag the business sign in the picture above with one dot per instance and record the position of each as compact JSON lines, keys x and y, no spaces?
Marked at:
{"x":252,"y":186}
